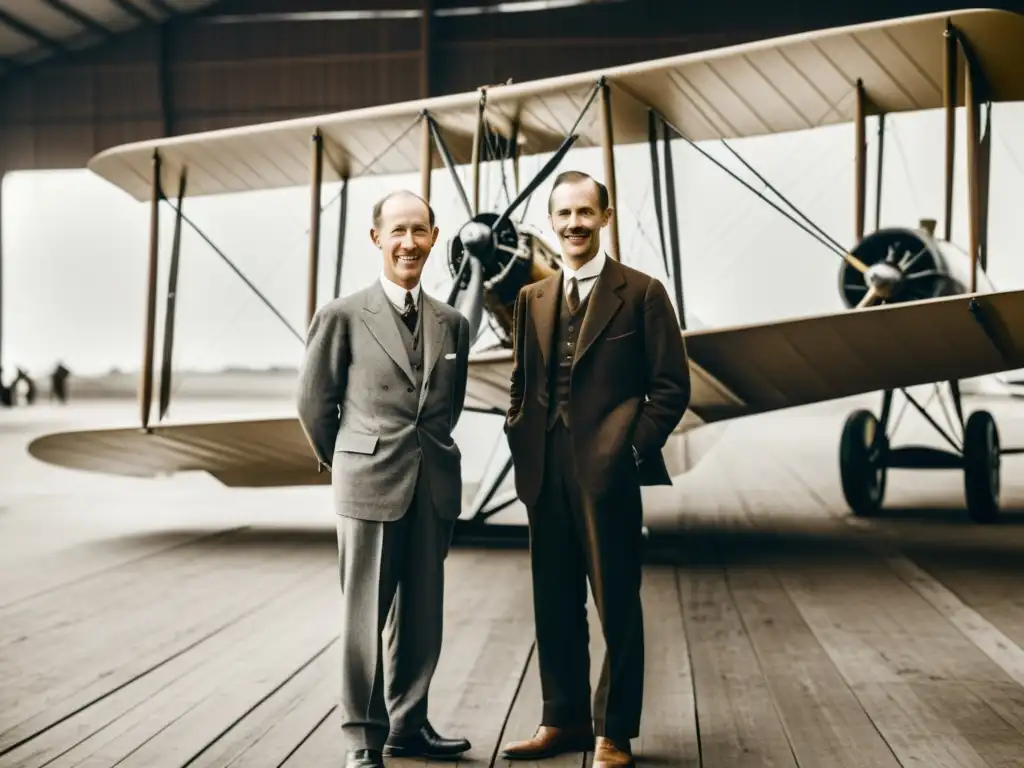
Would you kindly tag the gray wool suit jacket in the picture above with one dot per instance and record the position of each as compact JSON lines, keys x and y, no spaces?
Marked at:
{"x":364,"y":418}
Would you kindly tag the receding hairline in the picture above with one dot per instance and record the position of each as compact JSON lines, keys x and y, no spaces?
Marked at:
{"x":378,"y":207}
{"x":575,"y":177}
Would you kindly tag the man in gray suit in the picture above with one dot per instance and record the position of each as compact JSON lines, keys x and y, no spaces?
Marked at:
{"x":381,"y":389}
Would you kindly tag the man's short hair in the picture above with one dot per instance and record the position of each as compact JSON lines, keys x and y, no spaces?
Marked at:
{"x":379,"y":206}
{"x":571,"y":177}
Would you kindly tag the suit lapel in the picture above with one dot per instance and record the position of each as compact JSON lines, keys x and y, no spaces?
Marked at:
{"x":604,"y":303}
{"x":545,"y":311}
{"x":379,"y":321}
{"x":434,"y":333}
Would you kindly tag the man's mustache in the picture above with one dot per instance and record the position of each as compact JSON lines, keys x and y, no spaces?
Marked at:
{"x":572,"y":232}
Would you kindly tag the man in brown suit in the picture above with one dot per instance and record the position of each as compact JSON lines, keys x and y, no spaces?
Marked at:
{"x":599,"y":381}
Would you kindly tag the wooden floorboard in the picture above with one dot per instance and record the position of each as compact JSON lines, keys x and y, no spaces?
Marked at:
{"x":779,"y":630}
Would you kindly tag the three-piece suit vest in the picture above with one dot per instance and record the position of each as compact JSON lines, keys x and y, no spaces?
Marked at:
{"x":413,"y":341}
{"x":566,"y":337}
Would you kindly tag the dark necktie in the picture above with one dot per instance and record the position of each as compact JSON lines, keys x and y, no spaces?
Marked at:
{"x":573,"y":296}
{"x":409,"y":313}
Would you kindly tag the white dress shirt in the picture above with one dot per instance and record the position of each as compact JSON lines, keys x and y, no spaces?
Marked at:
{"x":396,"y":293}
{"x":586,"y":276}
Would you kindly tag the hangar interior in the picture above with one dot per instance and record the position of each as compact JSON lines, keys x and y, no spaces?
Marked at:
{"x":79,"y":76}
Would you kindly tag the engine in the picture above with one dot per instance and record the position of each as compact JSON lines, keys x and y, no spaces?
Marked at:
{"x":508,"y":259}
{"x":905,"y":265}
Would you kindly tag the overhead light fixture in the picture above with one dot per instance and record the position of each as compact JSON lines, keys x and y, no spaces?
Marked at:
{"x":514,"y":6}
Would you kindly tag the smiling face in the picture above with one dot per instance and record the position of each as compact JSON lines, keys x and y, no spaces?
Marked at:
{"x":576,"y":217}
{"x":404,"y":236}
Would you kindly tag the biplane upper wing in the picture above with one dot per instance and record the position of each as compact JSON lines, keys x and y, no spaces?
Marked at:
{"x":772,"y":86}
{"x":735,"y":372}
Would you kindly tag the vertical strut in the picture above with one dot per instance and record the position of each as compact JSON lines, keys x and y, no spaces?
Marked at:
{"x":883,"y":419}
{"x":172,"y":302}
{"x":314,"y":224}
{"x":146,"y":384}
{"x":609,"y":167}
{"x":673,"y":222}
{"x":477,"y":143}
{"x":949,"y":60}
{"x":878,"y":172}
{"x":342,"y":221}
{"x":958,"y":403}
{"x":860,"y":165}
{"x":984,"y":175}
{"x":652,"y":139}
{"x":515,"y":155}
{"x":976,"y":91}
{"x":971,"y":107}
{"x":426,"y":158}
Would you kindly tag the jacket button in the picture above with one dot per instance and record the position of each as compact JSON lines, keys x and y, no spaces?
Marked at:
{"x":385,"y":387}
{"x":408,"y":389}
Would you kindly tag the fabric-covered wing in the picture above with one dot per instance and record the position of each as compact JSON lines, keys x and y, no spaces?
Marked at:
{"x":489,"y":376}
{"x":259,"y":453}
{"x":758,"y":368}
{"x":773,"y":86}
{"x":735,"y":372}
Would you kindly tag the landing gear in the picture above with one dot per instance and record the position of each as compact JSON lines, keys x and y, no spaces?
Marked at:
{"x":475,"y":529}
{"x":862,"y":462}
{"x":981,"y":467}
{"x":865,"y":456}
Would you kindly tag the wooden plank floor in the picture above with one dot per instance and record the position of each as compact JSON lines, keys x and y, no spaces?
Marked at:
{"x":176,"y":623}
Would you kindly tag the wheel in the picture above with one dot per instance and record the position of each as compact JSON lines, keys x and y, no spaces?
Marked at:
{"x":981,"y":467}
{"x":862,"y":463}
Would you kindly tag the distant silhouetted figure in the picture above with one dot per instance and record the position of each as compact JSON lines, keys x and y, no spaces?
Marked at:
{"x":6,"y":393}
{"x":59,"y":383}
{"x":30,"y":386}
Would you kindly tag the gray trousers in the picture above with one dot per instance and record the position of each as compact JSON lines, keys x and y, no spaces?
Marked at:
{"x":392,"y":610}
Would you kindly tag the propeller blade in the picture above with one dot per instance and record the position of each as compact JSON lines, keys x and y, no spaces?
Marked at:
{"x":470,"y":300}
{"x":923,"y":275}
{"x":454,"y":292}
{"x":537,"y":180}
{"x":854,"y":262}
{"x":871,"y":297}
{"x":907,"y":262}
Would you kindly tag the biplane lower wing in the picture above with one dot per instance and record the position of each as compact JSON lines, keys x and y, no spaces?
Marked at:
{"x":737,"y":371}
{"x":766,"y":367}
{"x":262,"y":453}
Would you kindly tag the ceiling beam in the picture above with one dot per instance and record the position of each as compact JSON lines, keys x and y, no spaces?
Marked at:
{"x":165,"y":8}
{"x":134,"y":11}
{"x":27,"y":30}
{"x":86,"y":22}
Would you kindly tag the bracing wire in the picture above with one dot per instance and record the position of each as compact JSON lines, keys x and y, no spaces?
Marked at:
{"x":248,"y":282}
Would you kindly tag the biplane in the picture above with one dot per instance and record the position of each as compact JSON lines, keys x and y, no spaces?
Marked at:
{"x":919,"y":310}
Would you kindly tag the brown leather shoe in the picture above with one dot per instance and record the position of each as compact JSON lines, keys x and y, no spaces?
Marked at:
{"x":549,"y":741}
{"x":608,"y":754}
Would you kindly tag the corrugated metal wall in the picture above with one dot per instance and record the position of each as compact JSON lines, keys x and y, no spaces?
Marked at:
{"x":196,"y":75}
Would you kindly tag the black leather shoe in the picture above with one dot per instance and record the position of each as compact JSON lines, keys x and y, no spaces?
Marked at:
{"x":424,"y":743}
{"x":364,"y":758}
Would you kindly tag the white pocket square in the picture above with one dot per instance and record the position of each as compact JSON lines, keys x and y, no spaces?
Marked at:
{"x":450,"y":356}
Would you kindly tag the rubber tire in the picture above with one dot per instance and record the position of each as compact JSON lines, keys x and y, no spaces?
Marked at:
{"x":863,"y":480}
{"x":981,"y":467}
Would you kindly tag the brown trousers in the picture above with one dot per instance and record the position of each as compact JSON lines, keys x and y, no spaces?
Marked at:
{"x":575,"y":537}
